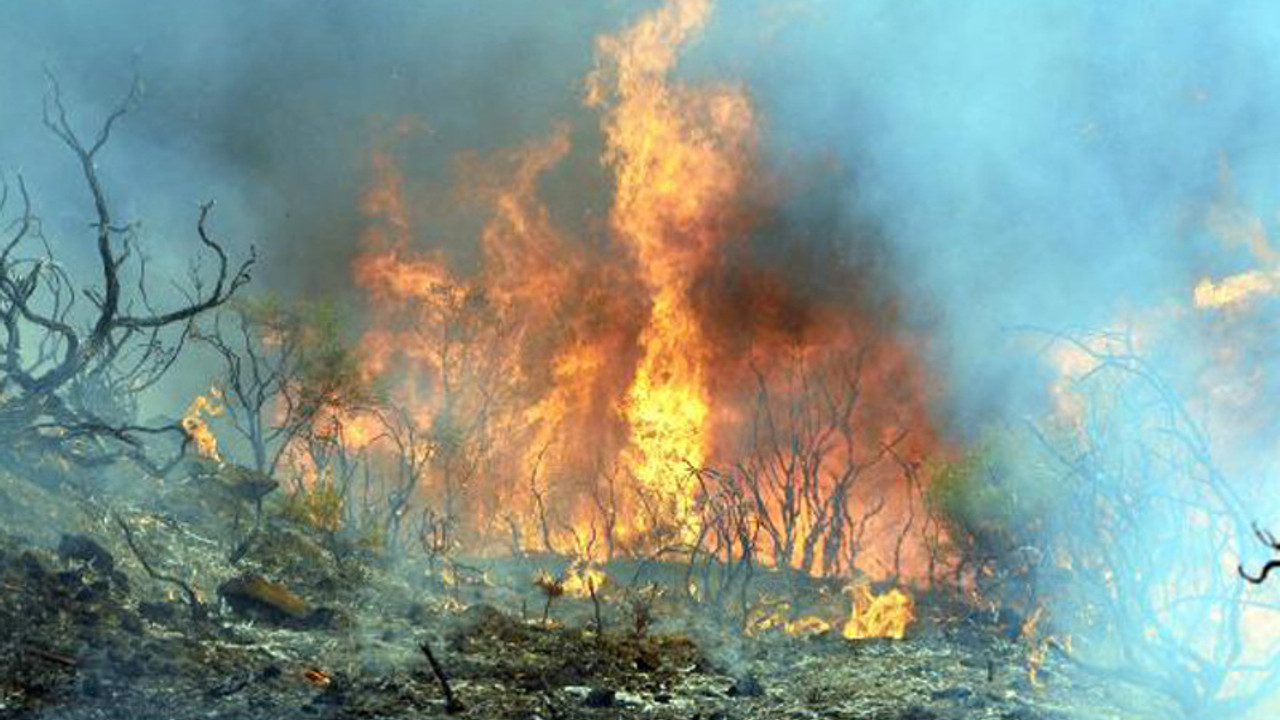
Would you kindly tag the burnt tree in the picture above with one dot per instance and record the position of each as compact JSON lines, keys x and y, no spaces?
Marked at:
{"x":260,"y":347}
{"x":1268,"y":539}
{"x":75,"y":356}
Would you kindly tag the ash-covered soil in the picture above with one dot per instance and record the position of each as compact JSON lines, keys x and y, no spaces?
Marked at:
{"x":307,"y":625}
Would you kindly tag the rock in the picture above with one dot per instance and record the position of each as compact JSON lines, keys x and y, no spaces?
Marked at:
{"x":479,"y":624}
{"x":1026,"y":712}
{"x":231,"y":481}
{"x":746,"y":686}
{"x":952,"y":693}
{"x":600,"y":698}
{"x":161,"y":613}
{"x":418,"y":614}
{"x":325,"y":618}
{"x":94,"y":592}
{"x":70,"y":579}
{"x":917,"y":712}
{"x":230,"y":684}
{"x":131,"y":623}
{"x":629,"y":700}
{"x":35,"y":569}
{"x":248,"y":484}
{"x":86,"y":550}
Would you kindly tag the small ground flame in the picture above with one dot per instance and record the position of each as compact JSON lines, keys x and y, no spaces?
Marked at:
{"x":582,"y":582}
{"x":885,"y":616}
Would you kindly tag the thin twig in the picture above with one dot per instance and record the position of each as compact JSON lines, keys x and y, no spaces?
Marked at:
{"x":193,"y":600}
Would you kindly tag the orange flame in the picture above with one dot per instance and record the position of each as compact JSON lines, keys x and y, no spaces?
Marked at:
{"x":575,"y":382}
{"x":678,"y":155}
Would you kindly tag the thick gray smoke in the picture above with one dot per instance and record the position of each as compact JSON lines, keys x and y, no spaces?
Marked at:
{"x":272,"y":108}
{"x":1049,"y":163}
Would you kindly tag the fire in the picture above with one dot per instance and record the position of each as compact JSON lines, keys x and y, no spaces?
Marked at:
{"x":463,"y":343}
{"x":677,"y":152}
{"x":317,"y":677}
{"x":872,"y":616}
{"x":1233,"y":224}
{"x":195,"y":423}
{"x":575,"y":380}
{"x":582,"y":580}
{"x":775,"y":617}
{"x":887,"y":615}
{"x":808,"y":625}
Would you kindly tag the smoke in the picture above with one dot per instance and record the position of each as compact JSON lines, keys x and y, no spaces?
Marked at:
{"x":1048,"y":164}
{"x":1067,"y":166}
{"x":271,"y":110}
{"x":272,"y":107}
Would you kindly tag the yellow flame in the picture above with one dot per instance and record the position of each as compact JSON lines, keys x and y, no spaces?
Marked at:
{"x":887,"y":615}
{"x":197,"y":427}
{"x":807,"y":625}
{"x":677,"y":153}
{"x":582,"y":581}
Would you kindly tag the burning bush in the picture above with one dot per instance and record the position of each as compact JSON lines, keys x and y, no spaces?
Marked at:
{"x":605,"y":382}
{"x":994,"y":501}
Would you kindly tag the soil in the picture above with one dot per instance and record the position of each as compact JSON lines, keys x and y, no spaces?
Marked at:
{"x":303,"y":626}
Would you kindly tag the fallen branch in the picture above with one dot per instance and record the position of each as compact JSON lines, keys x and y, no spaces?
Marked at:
{"x":452,"y":705}
{"x":52,"y":656}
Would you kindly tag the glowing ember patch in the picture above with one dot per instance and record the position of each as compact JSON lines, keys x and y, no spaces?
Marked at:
{"x":319,"y":678}
{"x":884,"y":616}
